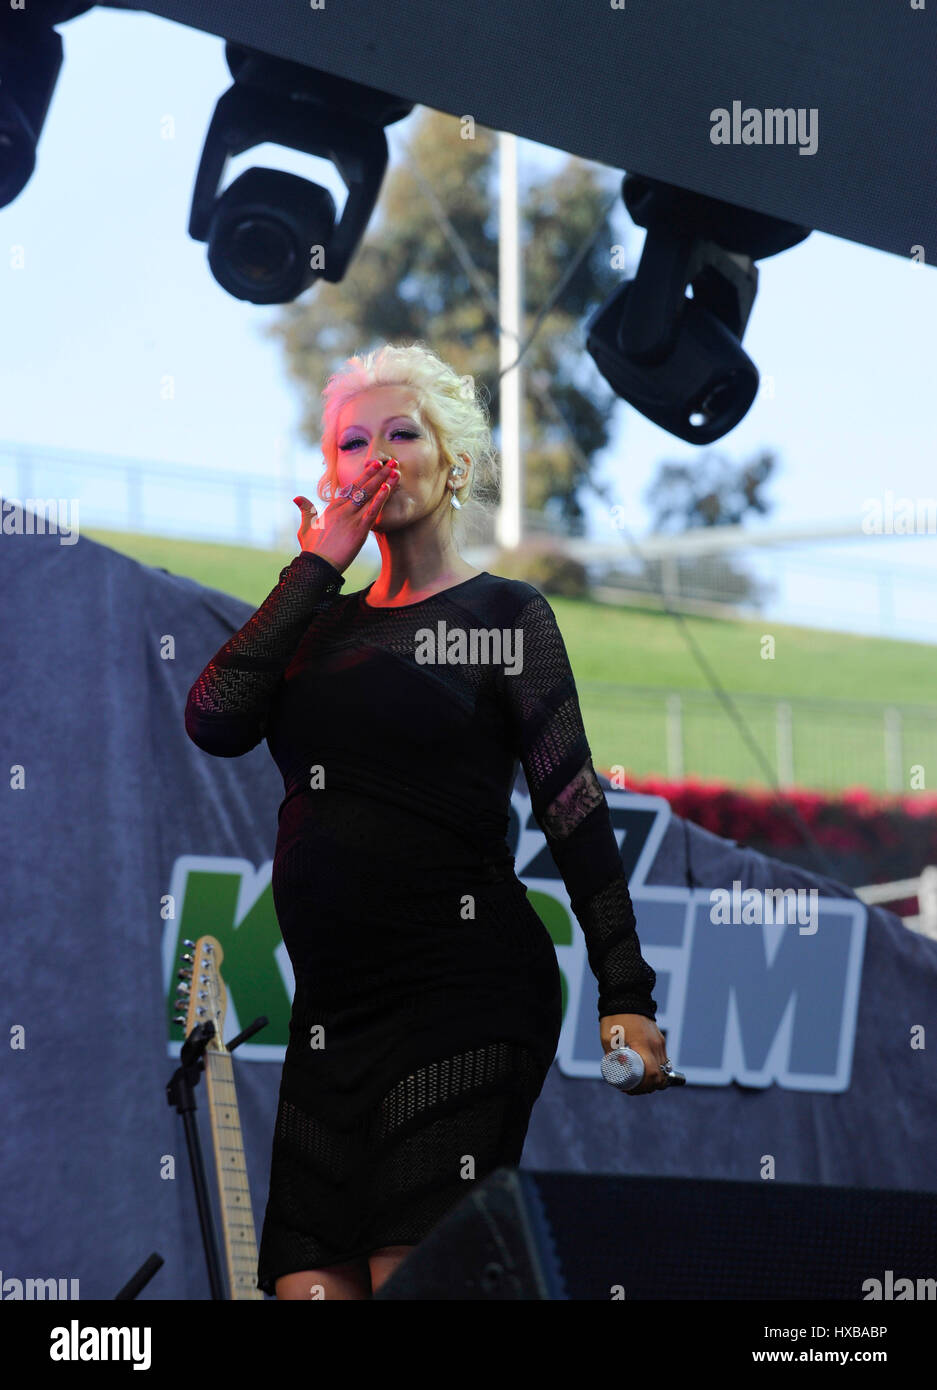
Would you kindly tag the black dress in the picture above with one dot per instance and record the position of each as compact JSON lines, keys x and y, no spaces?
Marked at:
{"x":428,"y":1007}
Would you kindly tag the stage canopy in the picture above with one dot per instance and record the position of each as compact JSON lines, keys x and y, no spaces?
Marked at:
{"x":635,"y":86}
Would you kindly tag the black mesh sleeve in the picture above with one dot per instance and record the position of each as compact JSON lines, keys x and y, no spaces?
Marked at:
{"x":570,"y":806}
{"x":226,"y":710}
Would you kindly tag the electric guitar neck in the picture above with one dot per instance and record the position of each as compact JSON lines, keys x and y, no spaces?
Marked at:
{"x":208,"y":1000}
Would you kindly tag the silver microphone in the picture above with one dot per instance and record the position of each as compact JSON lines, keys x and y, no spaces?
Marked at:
{"x":623,"y":1068}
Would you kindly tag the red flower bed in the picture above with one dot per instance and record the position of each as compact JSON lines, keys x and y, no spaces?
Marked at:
{"x":868,"y":837}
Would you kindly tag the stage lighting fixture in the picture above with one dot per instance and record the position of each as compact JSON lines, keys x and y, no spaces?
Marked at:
{"x":270,"y":234}
{"x":677,"y":357}
{"x":30,"y":60}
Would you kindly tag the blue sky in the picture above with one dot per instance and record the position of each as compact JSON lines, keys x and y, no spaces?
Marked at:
{"x":115,"y":296}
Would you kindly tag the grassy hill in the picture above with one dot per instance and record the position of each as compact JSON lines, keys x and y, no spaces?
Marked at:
{"x":626,"y":662}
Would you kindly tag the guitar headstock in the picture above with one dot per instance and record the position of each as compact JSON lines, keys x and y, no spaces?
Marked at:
{"x":201,"y":991}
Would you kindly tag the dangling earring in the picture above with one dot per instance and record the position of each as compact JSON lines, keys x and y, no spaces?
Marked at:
{"x":458,"y":473}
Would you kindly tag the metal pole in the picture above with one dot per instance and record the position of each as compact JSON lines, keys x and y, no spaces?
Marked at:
{"x":893,"y":749}
{"x":24,"y":475}
{"x":670,"y":579}
{"x":886,"y":604}
{"x":509,"y":525}
{"x":244,"y":511}
{"x":135,"y":520}
{"x":287,"y":489}
{"x":927,"y":901}
{"x":785,"y":745}
{"x":674,"y":738}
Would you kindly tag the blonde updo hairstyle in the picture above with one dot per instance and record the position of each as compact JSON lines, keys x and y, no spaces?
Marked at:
{"x":449,"y":407}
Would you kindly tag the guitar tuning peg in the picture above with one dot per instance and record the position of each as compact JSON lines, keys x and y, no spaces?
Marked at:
{"x":185,"y":975}
{"x":180,"y":1018}
{"x":189,"y":960}
{"x":187,"y":942}
{"x":183,"y":987}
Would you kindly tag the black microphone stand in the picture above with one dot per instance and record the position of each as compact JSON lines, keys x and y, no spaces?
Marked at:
{"x":180,"y":1092}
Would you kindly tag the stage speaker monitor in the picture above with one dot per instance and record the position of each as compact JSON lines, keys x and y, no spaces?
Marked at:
{"x":524,"y":1235}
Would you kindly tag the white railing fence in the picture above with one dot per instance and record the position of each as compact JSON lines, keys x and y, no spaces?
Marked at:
{"x":816,"y":743}
{"x":924,"y":888}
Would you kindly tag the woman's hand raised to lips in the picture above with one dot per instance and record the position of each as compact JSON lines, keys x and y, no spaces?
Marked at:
{"x":340,"y":533}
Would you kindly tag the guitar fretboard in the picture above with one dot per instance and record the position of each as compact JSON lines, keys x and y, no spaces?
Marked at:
{"x":236,"y":1216}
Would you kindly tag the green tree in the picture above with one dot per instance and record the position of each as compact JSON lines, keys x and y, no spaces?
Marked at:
{"x":409,"y":281}
{"x":710,"y":491}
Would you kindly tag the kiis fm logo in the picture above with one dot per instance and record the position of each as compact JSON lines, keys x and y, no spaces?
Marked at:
{"x":759,"y":1004}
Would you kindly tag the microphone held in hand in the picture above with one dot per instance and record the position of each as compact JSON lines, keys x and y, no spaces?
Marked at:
{"x":623,"y":1068}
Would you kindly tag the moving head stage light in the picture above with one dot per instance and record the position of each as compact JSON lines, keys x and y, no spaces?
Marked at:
{"x":676,"y":358}
{"x":271,"y":234}
{"x":30,"y":60}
